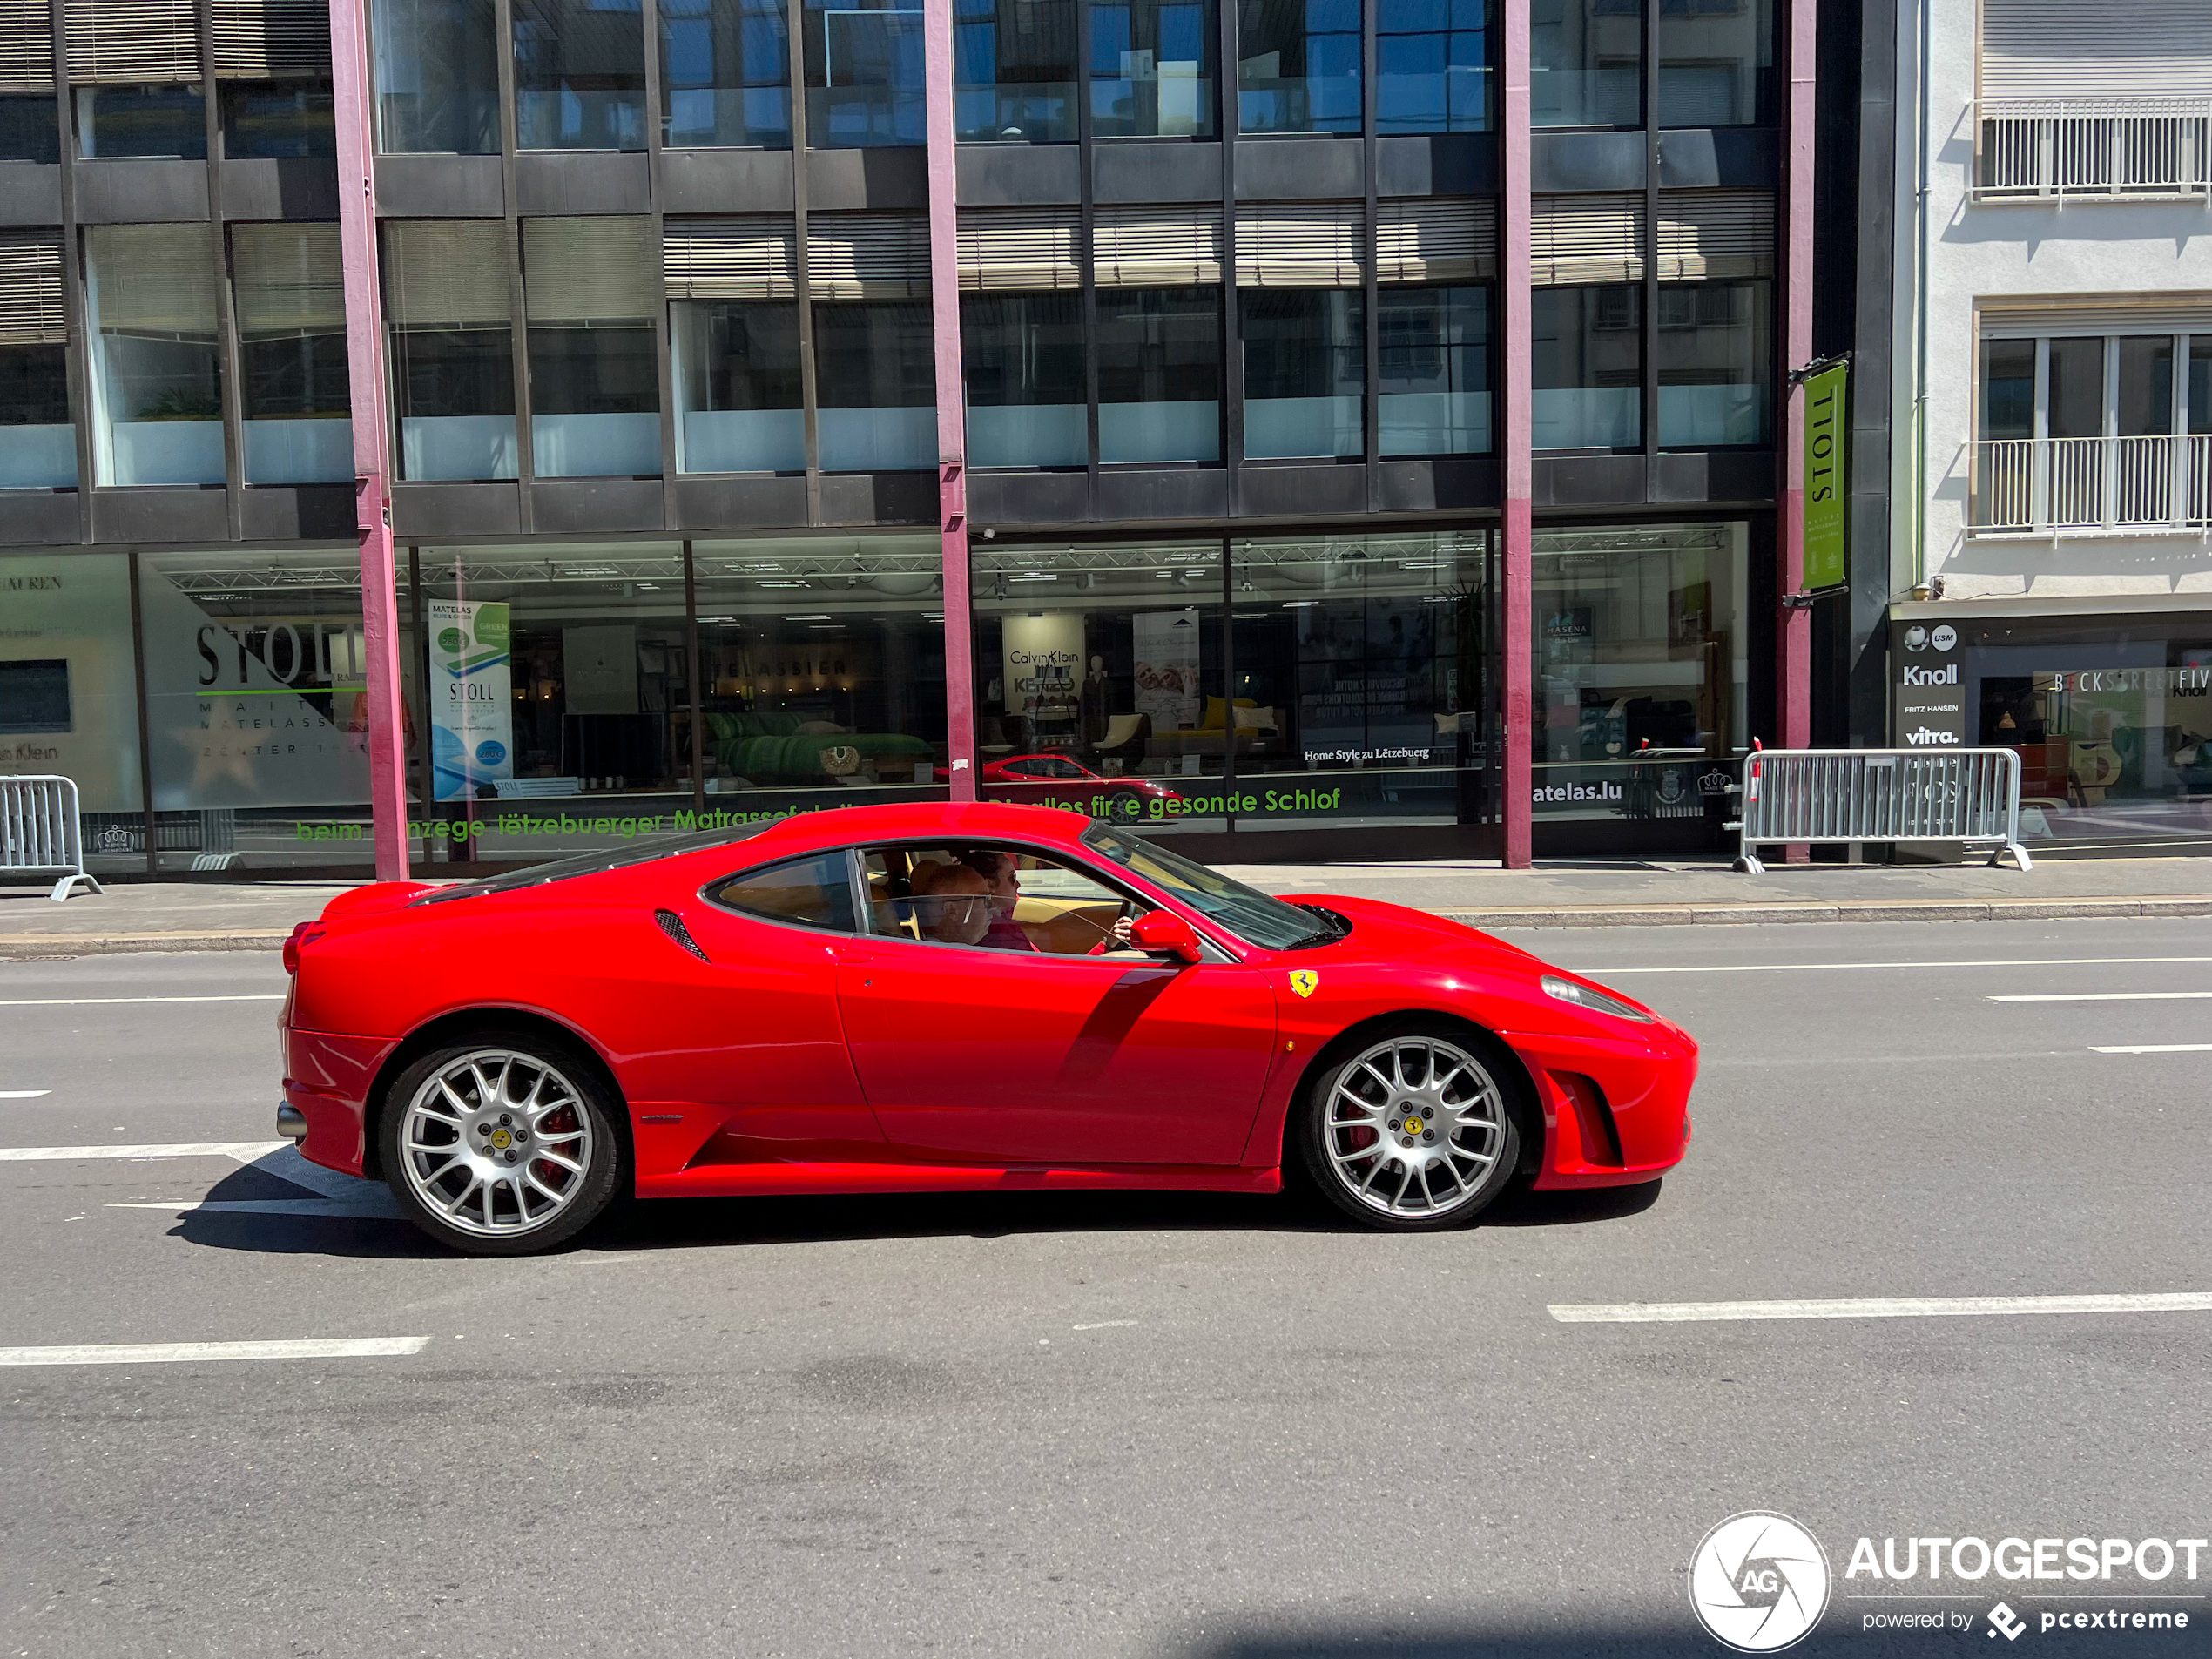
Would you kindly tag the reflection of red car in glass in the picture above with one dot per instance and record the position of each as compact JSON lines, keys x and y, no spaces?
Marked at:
{"x":1054,"y":780}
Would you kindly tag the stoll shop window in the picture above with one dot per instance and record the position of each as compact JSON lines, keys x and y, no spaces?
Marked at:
{"x":590,"y":287}
{"x":69,"y":700}
{"x":257,"y":716}
{"x":38,"y":442}
{"x":156,"y":381}
{"x":1013,"y":72}
{"x":1641,"y":653}
{"x":446,"y":303}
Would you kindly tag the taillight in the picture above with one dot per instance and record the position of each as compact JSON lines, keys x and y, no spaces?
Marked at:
{"x":305,"y":931}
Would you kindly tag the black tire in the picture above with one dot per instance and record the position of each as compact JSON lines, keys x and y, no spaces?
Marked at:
{"x":556,"y":1101}
{"x":1377,"y":1170}
{"x":1125,"y":806}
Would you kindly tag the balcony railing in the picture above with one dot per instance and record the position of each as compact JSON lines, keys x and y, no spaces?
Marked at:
{"x":2093,"y":484}
{"x":2101,"y":149}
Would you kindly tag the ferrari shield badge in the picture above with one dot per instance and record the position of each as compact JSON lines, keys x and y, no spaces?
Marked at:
{"x":1303,"y":980}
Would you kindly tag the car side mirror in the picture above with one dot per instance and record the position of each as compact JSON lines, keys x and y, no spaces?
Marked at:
{"x":1162,"y":932}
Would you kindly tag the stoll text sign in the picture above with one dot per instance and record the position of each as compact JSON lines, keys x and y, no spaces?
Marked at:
{"x":1827,"y":443}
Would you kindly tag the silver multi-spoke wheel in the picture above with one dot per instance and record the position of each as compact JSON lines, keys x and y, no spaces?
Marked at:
{"x":496,"y":1143}
{"x":1415,"y":1128}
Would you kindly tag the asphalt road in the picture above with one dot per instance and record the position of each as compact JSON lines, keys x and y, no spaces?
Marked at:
{"x":1191,"y":1426}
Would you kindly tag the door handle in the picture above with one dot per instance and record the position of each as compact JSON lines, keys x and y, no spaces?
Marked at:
{"x":850,"y":956}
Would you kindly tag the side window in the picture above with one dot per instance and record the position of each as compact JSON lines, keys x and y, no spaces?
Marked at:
{"x":811,"y":891}
{"x":991,"y":898}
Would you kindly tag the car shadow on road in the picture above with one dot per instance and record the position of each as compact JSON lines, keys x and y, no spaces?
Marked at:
{"x":250,"y":1210}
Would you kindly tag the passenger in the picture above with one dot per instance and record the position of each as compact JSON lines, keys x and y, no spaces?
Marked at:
{"x":957,"y":908}
{"x":1001,"y":870}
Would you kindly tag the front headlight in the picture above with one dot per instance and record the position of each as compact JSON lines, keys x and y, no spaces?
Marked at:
{"x":1588,"y":996}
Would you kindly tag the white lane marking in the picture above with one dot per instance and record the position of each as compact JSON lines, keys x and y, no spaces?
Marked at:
{"x":156,"y":1354}
{"x":1813,"y":968}
{"x":109,"y":1002}
{"x":374,"y":1203}
{"x":24,"y":1094}
{"x":243,"y":1151}
{"x":1876,"y":1307}
{"x":2155,"y":1048}
{"x":2108,"y":996}
{"x":1106,"y":1324}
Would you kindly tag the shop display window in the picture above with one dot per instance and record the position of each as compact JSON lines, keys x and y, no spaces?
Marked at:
{"x":1153,"y":69}
{"x":1013,"y":72}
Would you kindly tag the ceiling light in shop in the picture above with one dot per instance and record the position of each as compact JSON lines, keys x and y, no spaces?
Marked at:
{"x":818,"y":616}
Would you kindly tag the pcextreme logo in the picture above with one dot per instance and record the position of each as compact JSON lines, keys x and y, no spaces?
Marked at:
{"x":1759,"y":1583}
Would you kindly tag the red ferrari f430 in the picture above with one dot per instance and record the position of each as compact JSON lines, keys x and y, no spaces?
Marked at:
{"x":944,"y":998}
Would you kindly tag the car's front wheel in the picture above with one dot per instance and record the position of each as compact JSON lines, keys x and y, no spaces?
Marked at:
{"x":501,"y":1146}
{"x":1413,"y":1128}
{"x":1125,"y":806}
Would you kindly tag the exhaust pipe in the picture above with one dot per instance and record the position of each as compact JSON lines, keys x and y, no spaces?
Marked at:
{"x":292,"y":1122}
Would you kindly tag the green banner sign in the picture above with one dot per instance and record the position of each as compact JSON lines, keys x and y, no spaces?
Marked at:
{"x":1827,"y":449}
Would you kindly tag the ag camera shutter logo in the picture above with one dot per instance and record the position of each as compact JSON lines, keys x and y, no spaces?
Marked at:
{"x":1759,"y":1583}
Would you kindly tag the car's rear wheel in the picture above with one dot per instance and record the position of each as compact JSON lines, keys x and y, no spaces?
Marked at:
{"x":1125,"y":806}
{"x":503,"y":1146}
{"x":1413,"y":1128}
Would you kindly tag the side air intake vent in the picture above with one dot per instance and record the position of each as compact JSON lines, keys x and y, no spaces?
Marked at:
{"x":673,"y":925}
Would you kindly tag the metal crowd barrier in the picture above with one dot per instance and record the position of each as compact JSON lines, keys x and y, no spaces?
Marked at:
{"x":1851,"y":795}
{"x":40,"y":831}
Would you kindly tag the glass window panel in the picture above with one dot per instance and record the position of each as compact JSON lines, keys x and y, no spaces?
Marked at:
{"x":738,"y":392}
{"x":1297,"y":65}
{"x":1361,"y":675}
{"x":1109,"y":656}
{"x":38,"y":442}
{"x":289,"y":287}
{"x":1588,"y":379}
{"x":437,"y":77}
{"x":1716,"y":364}
{"x":822,"y":670}
{"x":452,"y":355}
{"x":2077,"y":388}
{"x":579,"y":74}
{"x":2201,"y":397}
{"x":1641,"y":656}
{"x":2146,"y":407}
{"x":863,"y":73}
{"x":875,"y":386}
{"x":1432,"y":66}
{"x":264,"y":119}
{"x":1716,"y":63}
{"x":1152,"y":69}
{"x":1159,"y":374}
{"x":813,"y":892}
{"x":157,"y":386}
{"x":148,"y":121}
{"x":28,"y":129}
{"x":2007,"y":388}
{"x":1585,"y":63}
{"x":725,"y":73}
{"x":1303,"y":384}
{"x":1022,"y":354}
{"x":990,"y":899}
{"x":588,"y":289}
{"x":1433,"y":377}
{"x":1013,"y":70}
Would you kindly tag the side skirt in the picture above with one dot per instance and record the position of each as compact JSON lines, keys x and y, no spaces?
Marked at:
{"x":745,"y":1180}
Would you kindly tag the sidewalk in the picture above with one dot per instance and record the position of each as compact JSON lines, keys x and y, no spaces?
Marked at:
{"x":258,"y":915}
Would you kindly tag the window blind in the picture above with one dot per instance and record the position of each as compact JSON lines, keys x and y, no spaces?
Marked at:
{"x":1020,"y":249}
{"x":597,"y":270}
{"x":1156,"y":248}
{"x":133,"y":42}
{"x":151,"y":279}
{"x":1431,"y":239}
{"x":1301,"y":245}
{"x":2045,"y":49}
{"x":1585,"y":239}
{"x":2150,"y":313}
{"x":867,"y":256}
{"x":752,"y":256}
{"x":287,"y":280}
{"x":32,"y":312}
{"x":445,"y":273}
{"x":1716,"y":233}
{"x":261,"y":39}
{"x":26,"y":46}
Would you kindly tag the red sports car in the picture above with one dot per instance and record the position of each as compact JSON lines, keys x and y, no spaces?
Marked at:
{"x":941,"y":998}
{"x":1054,"y":780}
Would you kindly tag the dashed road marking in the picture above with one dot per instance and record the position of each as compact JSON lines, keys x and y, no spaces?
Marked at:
{"x":158,"y":1354}
{"x":2108,"y":996}
{"x":2153,"y":1048}
{"x":1876,"y":1307}
{"x":243,"y":1151}
{"x":24,"y":1094}
{"x":1811,"y":968}
{"x":111,"y":1001}
{"x":1106,"y":1325}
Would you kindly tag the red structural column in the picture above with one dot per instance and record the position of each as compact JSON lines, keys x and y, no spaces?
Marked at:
{"x":372,"y":491}
{"x":1516,"y":566}
{"x":1793,"y":630}
{"x":952,"y":403}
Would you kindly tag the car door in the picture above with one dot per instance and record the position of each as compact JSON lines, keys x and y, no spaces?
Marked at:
{"x":998,"y":1056}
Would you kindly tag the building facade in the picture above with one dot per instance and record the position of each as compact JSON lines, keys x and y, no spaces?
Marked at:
{"x":471,"y":430}
{"x":2051,"y":398}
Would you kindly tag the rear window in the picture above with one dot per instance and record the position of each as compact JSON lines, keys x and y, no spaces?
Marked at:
{"x":812,"y":892}
{"x":536,"y":875}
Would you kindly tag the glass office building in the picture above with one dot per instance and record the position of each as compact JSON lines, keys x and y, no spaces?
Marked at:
{"x":658,"y":348}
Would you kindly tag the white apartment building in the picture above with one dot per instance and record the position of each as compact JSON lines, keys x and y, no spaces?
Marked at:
{"x":2051,"y":403}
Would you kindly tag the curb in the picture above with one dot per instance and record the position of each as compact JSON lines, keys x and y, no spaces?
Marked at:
{"x":28,"y":947}
{"x":1861,"y":910}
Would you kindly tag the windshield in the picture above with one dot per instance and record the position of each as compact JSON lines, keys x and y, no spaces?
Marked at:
{"x":593,"y":863}
{"x":1249,"y":914}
